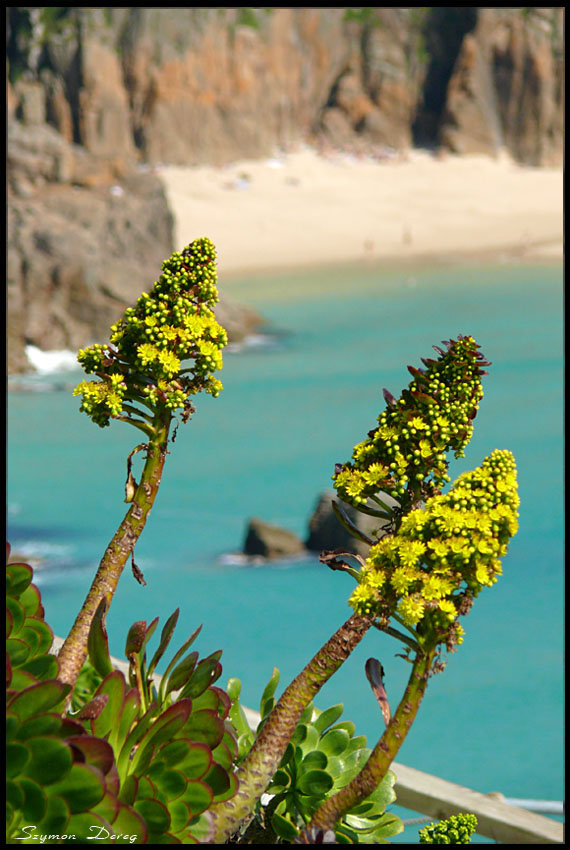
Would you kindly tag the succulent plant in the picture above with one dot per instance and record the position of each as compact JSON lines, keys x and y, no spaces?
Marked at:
{"x":136,"y":758}
{"x":61,"y":780}
{"x":173,"y":744}
{"x":323,"y":756}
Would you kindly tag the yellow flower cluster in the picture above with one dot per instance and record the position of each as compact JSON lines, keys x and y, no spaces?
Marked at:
{"x":452,"y":545}
{"x":172,"y":323}
{"x":407,"y":451}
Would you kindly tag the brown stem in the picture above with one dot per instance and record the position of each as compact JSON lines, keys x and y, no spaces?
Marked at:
{"x":381,"y":757}
{"x":74,"y":650}
{"x":256,"y":771}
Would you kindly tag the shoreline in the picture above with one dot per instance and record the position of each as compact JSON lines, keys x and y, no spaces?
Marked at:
{"x":303,"y":210}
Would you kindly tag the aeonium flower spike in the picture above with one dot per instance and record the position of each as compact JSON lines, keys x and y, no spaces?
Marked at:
{"x":444,"y":552}
{"x":405,"y":455}
{"x":142,"y":365}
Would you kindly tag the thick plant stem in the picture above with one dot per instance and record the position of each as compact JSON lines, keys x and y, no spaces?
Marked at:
{"x":381,"y":757}
{"x":256,"y":771}
{"x":74,"y":650}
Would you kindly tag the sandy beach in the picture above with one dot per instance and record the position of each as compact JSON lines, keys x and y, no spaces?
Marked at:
{"x":302,"y":208}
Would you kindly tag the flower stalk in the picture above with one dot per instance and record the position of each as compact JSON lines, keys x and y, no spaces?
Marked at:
{"x":142,"y":367}
{"x":73,"y":652}
{"x":257,"y":769}
{"x":381,"y":757}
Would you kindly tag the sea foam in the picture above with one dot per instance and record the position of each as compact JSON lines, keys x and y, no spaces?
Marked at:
{"x":50,"y":362}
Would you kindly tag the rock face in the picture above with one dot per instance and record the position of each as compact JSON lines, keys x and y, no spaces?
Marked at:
{"x":83,"y":242}
{"x":85,"y":237}
{"x":207,"y":85}
{"x":270,"y":541}
{"x":327,"y":532}
{"x":507,"y":87}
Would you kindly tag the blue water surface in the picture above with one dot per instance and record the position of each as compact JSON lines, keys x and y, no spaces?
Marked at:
{"x":290,"y":409}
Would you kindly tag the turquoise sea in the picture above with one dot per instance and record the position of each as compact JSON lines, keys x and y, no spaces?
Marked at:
{"x":295,"y":401}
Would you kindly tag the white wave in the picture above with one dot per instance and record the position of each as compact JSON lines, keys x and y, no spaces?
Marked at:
{"x":255,"y":340}
{"x":42,"y":549}
{"x":50,"y":362}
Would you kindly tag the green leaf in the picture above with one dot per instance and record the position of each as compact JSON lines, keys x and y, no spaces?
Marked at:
{"x":51,"y":760}
{"x":198,"y":796}
{"x":280,"y":782}
{"x":233,"y":689}
{"x":314,"y":760}
{"x":334,"y":742}
{"x":172,"y":783}
{"x":22,"y":680}
{"x":220,"y":781}
{"x":205,"y":727}
{"x":174,"y":752}
{"x":315,"y":783}
{"x":215,"y":699}
{"x":283,"y":828}
{"x":137,"y":732}
{"x":34,"y":806}
{"x":200,"y":830}
{"x":108,"y":721}
{"x":43,"y":724}
{"x":223,"y":755}
{"x":348,"y":726}
{"x":28,"y":634}
{"x":205,"y":674}
{"x":82,"y":788}
{"x":128,"y":823}
{"x":135,"y":638}
{"x":174,"y":661}
{"x":12,"y":726}
{"x":180,"y":675}
{"x":97,"y":642}
{"x":129,"y":790}
{"x":155,"y":815}
{"x":269,"y":690}
{"x":14,"y":794}
{"x":88,"y":826}
{"x":56,"y":818}
{"x":165,"y":727}
{"x":165,"y":637}
{"x":131,"y":711}
{"x":17,"y":757}
{"x":18,"y":578}
{"x":387,"y":826}
{"x":196,"y":761}
{"x":18,"y":651}
{"x":17,"y":616}
{"x":97,"y":753}
{"x":39,"y":698}
{"x":179,"y":816}
{"x":107,"y":807}
{"x":32,"y":601}
{"x":357,"y":743}
{"x":328,"y":717}
{"x":43,"y":632}
{"x":43,"y":668}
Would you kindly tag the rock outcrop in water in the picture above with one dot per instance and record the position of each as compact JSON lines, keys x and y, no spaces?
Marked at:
{"x":97,"y":95}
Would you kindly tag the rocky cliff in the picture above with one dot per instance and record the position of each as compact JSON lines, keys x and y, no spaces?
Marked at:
{"x":97,"y":95}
